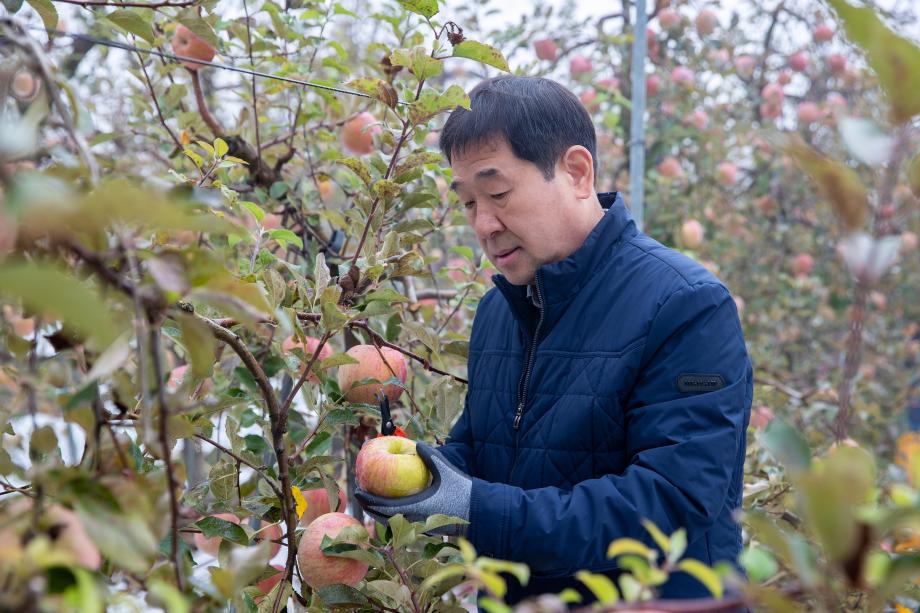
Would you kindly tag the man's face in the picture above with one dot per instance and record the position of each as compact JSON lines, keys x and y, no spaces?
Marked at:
{"x":521,"y":220}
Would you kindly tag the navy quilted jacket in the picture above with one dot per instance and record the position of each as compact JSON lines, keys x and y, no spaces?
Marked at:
{"x":627,"y":395}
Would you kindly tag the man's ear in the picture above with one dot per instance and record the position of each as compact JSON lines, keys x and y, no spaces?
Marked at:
{"x":578,"y":165}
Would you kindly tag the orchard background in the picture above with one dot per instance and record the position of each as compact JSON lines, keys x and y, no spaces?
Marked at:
{"x":187,"y":252}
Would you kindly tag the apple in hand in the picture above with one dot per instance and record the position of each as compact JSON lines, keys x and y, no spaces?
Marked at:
{"x":318,"y":569}
{"x":389,"y":466}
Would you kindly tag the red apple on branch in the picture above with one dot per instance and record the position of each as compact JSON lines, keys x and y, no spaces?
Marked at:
{"x":691,"y":234}
{"x":188,"y":44}
{"x":318,"y":569}
{"x":318,"y":504}
{"x":546,"y":49}
{"x":358,"y":133}
{"x":389,"y":466}
{"x":212,"y":545}
{"x":268,"y":584}
{"x":308,"y":346}
{"x":372,"y":366}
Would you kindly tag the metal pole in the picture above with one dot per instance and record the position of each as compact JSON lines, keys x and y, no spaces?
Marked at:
{"x":637,"y":126}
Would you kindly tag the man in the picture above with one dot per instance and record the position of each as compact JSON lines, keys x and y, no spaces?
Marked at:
{"x":608,"y":377}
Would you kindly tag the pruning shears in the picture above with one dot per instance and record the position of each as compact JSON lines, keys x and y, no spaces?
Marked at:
{"x":387,"y":427}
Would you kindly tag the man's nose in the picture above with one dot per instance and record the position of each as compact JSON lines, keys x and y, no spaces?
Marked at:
{"x":487,"y":223}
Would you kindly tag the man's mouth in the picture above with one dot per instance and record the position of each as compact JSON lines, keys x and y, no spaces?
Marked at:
{"x":503,"y":255}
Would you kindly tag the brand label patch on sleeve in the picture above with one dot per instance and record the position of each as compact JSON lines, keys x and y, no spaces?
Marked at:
{"x":699,"y":382}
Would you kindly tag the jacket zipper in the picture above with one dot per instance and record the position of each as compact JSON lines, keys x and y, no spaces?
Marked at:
{"x":525,"y":378}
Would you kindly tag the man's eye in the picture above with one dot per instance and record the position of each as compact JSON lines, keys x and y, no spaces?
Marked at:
{"x":469,"y":205}
{"x":499,"y":196}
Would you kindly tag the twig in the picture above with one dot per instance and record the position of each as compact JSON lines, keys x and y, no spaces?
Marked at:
{"x":140,"y":5}
{"x":241,"y":459}
{"x":156,"y":103}
{"x":203,"y":109}
{"x":156,"y":350}
{"x":385,"y":343}
{"x":278,"y":427}
{"x":255,"y":106}
{"x":402,"y":575}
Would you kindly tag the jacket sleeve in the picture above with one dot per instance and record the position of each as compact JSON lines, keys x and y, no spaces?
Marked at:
{"x":459,"y":446}
{"x":684,"y":449}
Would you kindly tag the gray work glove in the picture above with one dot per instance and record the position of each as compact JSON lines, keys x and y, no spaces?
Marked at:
{"x":449,"y":494}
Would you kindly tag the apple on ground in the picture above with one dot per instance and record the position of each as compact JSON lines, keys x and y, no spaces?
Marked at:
{"x":358,"y":133}
{"x":318,"y":504}
{"x":318,"y":569}
{"x":372,"y":366}
{"x":389,"y":466}
{"x":188,"y":44}
{"x":212,"y":545}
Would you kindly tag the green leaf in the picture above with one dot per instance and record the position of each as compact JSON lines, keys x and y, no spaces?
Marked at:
{"x":480,"y":52}
{"x":342,"y":596}
{"x":126,"y":540}
{"x":222,"y":480}
{"x":43,"y":288}
{"x":703,"y":574}
{"x":190,"y":19}
{"x":254,"y":209}
{"x":600,"y":586}
{"x":359,"y":168}
{"x":170,"y":596}
{"x":894,"y":59}
{"x":220,"y":147}
{"x":425,"y":8}
{"x":628,"y":545}
{"x":787,"y":445}
{"x":375,"y":88}
{"x":419,"y":62}
{"x":865,"y":140}
{"x":657,"y":535}
{"x":439,"y":520}
{"x":337,"y":359}
{"x":199,"y":343}
{"x":838,"y":184}
{"x":333,"y":548}
{"x":519,"y":571}
{"x":283,"y":236}
{"x":333,"y":318}
{"x":133,"y":22}
{"x":446,"y":572}
{"x":759,"y":563}
{"x":902,"y":569}
{"x":418,"y":158}
{"x":12,"y":6}
{"x":403,"y":531}
{"x":678,"y":545}
{"x":430,"y":103}
{"x":45,"y":10}
{"x":228,"y":531}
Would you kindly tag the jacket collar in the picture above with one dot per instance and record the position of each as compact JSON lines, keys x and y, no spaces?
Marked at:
{"x":560,"y":281}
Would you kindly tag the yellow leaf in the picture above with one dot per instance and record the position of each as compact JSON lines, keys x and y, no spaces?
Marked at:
{"x":908,"y":445}
{"x":184,"y":138}
{"x":301,"y":502}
